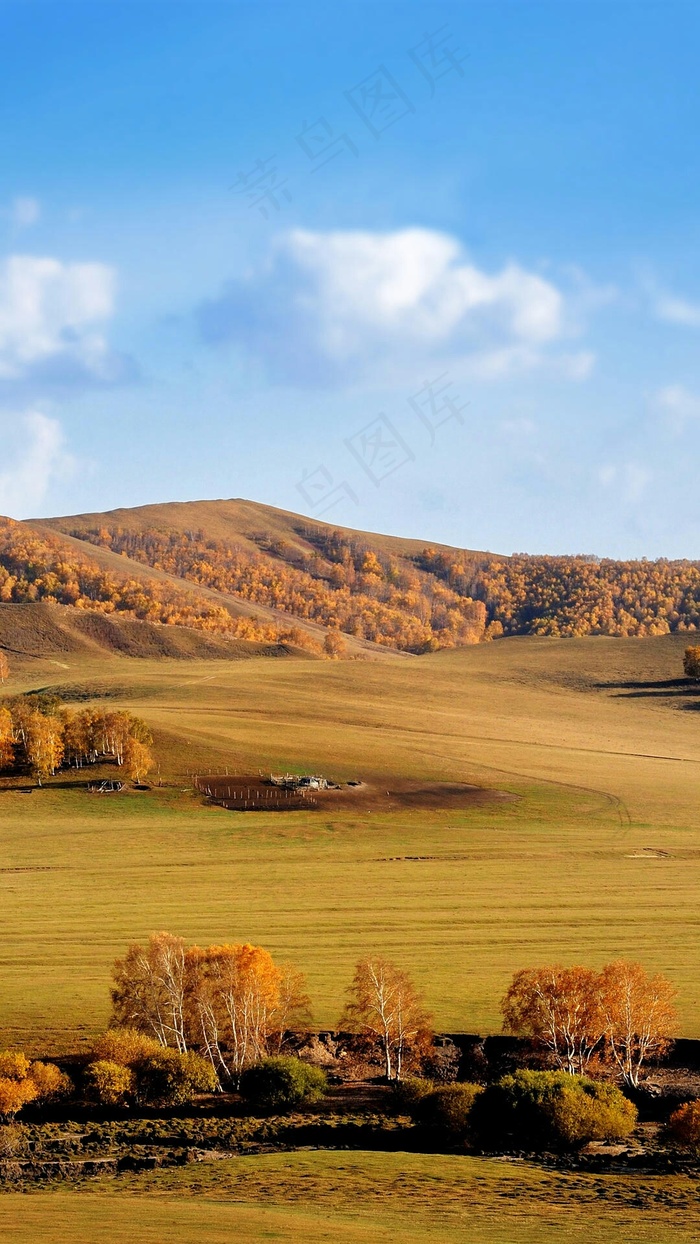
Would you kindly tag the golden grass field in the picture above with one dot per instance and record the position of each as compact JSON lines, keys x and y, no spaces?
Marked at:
{"x":599,"y":855}
{"x":606,"y":773}
{"x":359,"y":1198}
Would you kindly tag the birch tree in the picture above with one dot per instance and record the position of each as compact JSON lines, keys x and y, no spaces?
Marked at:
{"x":639,"y":1015}
{"x":44,"y":744}
{"x":149,"y":989}
{"x":138,"y":759}
{"x":384,"y":1004}
{"x":560,"y":1009}
{"x":233,"y":1004}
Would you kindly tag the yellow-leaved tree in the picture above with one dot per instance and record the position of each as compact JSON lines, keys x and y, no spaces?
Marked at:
{"x":7,"y":745}
{"x":233,"y":1002}
{"x":44,"y":744}
{"x":560,"y":1009}
{"x":137,"y":759}
{"x":384,"y":1004}
{"x":639,"y":1014}
{"x":622,"y":1014}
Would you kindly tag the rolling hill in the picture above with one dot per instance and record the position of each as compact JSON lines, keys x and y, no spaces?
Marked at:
{"x":253,"y":574}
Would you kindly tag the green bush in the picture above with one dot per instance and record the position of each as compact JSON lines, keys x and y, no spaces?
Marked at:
{"x":538,"y":1109}
{"x":108,"y":1083}
{"x":448,"y":1108}
{"x":172,"y":1079}
{"x":409,"y":1093}
{"x":584,"y":1111}
{"x":684,"y":1126}
{"x":282,"y":1082}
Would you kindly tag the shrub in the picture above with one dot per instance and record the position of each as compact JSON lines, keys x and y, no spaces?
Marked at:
{"x":172,"y":1079}
{"x":282,"y":1082}
{"x":51,"y":1083}
{"x":541,"y":1108}
{"x":591,"y":1111}
{"x":108,"y":1083}
{"x":154,"y":1074}
{"x":409,"y":1093}
{"x":14,"y":1094}
{"x":448,"y":1108}
{"x":126,"y":1046}
{"x":684,"y":1125}
{"x":13,"y":1066}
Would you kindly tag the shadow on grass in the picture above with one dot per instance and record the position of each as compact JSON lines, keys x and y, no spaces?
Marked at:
{"x":661,"y":689}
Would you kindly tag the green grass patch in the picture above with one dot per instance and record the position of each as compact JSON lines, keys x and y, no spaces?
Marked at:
{"x":360,"y":1197}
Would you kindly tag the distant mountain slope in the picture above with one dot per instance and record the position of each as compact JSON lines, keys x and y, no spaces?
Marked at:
{"x":394,"y":592}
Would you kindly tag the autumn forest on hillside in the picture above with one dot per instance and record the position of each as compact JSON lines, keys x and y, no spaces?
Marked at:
{"x":434,"y":599}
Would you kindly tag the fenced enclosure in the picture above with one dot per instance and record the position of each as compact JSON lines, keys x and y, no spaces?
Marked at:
{"x":252,"y":794}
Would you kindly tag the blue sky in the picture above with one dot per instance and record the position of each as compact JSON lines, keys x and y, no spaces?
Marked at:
{"x":426,"y":269}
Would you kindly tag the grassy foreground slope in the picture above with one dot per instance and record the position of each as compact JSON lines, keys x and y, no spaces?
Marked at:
{"x":359,"y":1198}
{"x":598,"y":856}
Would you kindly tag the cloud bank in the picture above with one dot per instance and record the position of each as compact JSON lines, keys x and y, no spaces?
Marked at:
{"x":33,"y":457}
{"x":51,"y":317}
{"x":335,"y":307}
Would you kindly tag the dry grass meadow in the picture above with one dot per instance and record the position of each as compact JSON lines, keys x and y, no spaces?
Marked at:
{"x":597,"y":856}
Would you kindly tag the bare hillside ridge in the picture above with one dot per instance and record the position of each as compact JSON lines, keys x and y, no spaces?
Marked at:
{"x":42,"y":630}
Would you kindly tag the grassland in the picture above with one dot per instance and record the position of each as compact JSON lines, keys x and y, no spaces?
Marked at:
{"x":598,"y":856}
{"x":360,"y":1198}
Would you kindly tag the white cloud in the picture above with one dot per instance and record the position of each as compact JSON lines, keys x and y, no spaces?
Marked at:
{"x":33,"y":456}
{"x":667,"y":306}
{"x":49,"y":313}
{"x":345,"y":305}
{"x":679,"y":406}
{"x":25,"y":212}
{"x":415,"y":281}
{"x":629,"y":480}
{"x":678,"y":310}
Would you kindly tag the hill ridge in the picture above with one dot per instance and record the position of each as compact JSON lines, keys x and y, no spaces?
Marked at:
{"x":268,"y":575}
